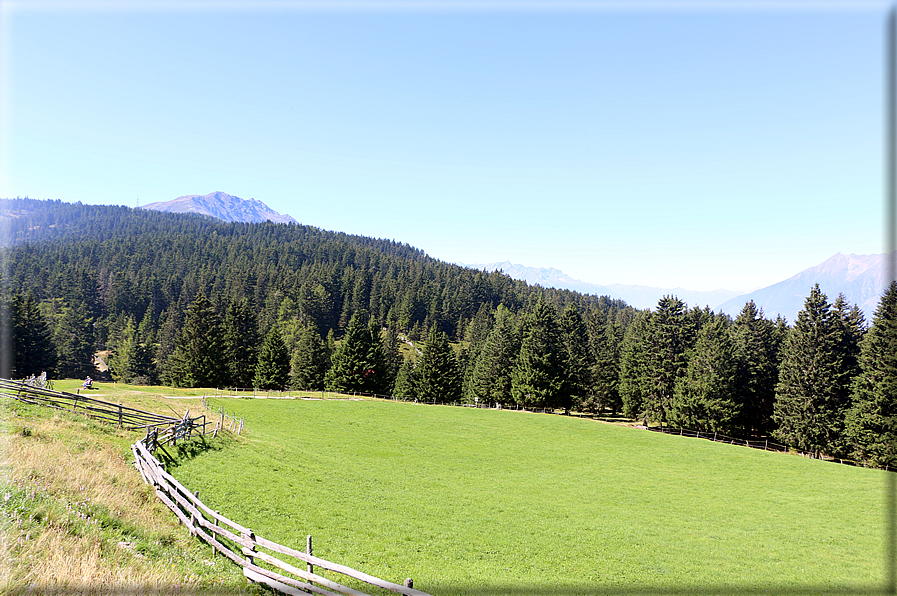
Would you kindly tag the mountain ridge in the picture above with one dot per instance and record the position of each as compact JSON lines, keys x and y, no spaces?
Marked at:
{"x":223,"y":206}
{"x":859,"y":277}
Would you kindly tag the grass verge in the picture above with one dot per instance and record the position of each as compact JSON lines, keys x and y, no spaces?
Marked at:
{"x":78,"y":519}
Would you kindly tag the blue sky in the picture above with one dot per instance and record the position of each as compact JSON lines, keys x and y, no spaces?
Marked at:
{"x":702,"y":145}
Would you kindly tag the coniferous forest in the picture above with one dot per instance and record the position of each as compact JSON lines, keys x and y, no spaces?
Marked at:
{"x":186,"y":300}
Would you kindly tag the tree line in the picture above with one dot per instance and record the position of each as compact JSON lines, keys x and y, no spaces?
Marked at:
{"x":190,"y":301}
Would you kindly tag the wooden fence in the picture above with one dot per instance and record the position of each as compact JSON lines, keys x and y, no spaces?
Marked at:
{"x":97,"y":409}
{"x":242,"y":546}
{"x":764,"y":444}
{"x":160,"y":429}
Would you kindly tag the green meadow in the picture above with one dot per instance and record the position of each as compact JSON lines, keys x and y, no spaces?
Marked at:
{"x":469,"y":501}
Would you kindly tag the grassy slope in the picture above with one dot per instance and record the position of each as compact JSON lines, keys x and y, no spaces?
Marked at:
{"x":77,"y":518}
{"x":481,"y":502}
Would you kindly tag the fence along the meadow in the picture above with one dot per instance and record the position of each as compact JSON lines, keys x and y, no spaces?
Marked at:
{"x":241,"y":545}
{"x":97,"y":409}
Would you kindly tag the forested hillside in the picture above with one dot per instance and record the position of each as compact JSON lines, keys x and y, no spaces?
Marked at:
{"x":192,"y":301}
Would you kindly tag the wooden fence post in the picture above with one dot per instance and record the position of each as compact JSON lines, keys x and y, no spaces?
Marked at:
{"x":119,"y":415}
{"x":309,"y":566}
{"x":215,"y":536}
{"x":251,"y":537}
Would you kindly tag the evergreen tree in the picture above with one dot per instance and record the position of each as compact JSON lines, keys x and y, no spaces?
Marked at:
{"x":439,"y":379}
{"x":391,"y":344}
{"x":756,"y":347}
{"x":132,"y":361}
{"x":490,"y":379}
{"x":199,"y":359}
{"x":381,"y":362}
{"x":32,"y":338}
{"x":273,"y":368}
{"x":354,"y":363}
{"x":670,"y":335}
{"x":578,"y":357}
{"x":74,"y":340}
{"x":871,"y":421}
{"x":407,"y":380}
{"x":705,"y":396}
{"x":241,"y":344}
{"x":634,"y":385}
{"x":539,"y":378}
{"x":605,"y":338}
{"x":310,"y":361}
{"x":810,"y":395}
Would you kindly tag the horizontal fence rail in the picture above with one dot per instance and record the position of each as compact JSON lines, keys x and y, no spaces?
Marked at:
{"x":160,"y":429}
{"x":121,"y":415}
{"x":242,"y":546}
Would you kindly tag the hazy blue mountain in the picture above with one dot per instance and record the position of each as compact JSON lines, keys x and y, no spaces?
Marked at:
{"x":222,"y":206}
{"x":637,"y":296}
{"x":859,"y":277}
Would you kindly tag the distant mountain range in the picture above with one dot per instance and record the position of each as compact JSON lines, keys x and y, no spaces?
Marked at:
{"x":637,"y":296}
{"x":222,"y":206}
{"x":859,"y":277}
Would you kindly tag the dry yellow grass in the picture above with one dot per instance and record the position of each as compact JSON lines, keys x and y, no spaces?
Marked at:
{"x":77,"y":517}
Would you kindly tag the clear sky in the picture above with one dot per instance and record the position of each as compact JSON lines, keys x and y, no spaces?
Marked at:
{"x":702,"y":145}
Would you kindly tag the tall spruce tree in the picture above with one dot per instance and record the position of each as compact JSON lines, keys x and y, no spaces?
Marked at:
{"x":756,"y":345}
{"x":578,"y":356}
{"x":310,"y":361}
{"x":199,"y":359}
{"x":490,"y":378}
{"x":357,"y":363}
{"x":439,"y":378}
{"x":32,"y":338}
{"x":605,"y":338}
{"x":871,"y":421}
{"x":74,"y":338}
{"x":635,"y":384}
{"x":132,"y":361}
{"x":273,"y":368}
{"x":539,"y":378}
{"x":705,"y":396}
{"x":407,"y":380}
{"x":670,"y":336}
{"x":241,"y":339}
{"x":811,"y":396}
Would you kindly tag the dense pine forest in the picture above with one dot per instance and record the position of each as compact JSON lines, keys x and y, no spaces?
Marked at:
{"x":187,"y":300}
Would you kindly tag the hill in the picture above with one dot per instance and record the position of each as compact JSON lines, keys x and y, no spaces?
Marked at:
{"x":223,"y":206}
{"x":129,"y":262}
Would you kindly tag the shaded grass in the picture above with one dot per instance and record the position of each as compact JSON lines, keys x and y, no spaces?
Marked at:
{"x":486,"y":502}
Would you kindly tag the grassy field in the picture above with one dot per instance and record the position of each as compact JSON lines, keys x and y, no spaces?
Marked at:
{"x":497,"y":502}
{"x":76,"y":518}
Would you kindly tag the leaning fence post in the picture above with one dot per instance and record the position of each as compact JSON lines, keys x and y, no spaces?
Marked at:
{"x":309,"y":566}
{"x":119,"y":415}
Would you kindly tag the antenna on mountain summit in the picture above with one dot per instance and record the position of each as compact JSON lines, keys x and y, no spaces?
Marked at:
{"x":137,"y":206}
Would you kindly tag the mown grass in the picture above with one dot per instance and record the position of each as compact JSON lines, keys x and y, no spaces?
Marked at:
{"x":496,"y":502}
{"x":76,"y":517}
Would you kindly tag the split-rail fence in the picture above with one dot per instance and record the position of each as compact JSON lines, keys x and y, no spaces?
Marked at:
{"x":242,"y":546}
{"x":238,"y":543}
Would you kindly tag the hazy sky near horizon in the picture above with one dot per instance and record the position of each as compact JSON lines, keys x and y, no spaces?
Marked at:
{"x":700,"y":145}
